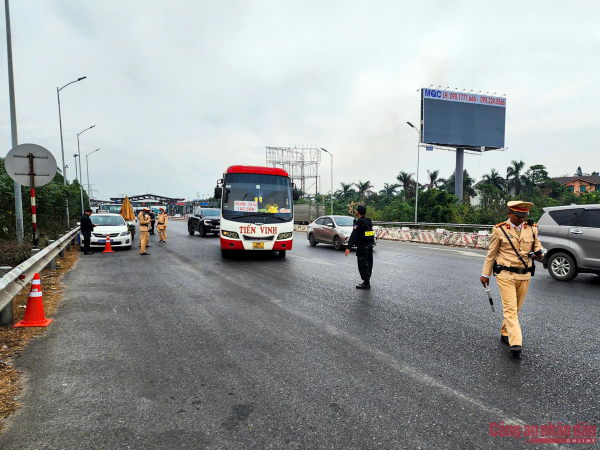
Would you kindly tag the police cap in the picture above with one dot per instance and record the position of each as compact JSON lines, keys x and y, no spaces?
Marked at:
{"x":519,"y":208}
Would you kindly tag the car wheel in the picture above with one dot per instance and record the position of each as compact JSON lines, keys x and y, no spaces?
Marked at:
{"x":311,"y":240}
{"x":562,"y":267}
{"x":337,"y":243}
{"x":224,"y":253}
{"x":191,"y":229}
{"x":202,"y":231}
{"x":282,"y":253}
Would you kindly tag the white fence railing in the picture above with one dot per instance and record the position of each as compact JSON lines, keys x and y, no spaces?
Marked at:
{"x":14,"y":281}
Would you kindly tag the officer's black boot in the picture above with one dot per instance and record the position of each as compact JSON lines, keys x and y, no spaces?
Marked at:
{"x":364,"y":285}
{"x":515,"y":349}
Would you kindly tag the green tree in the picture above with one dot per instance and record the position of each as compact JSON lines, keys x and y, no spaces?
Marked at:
{"x":494,"y":179}
{"x":389,"y":189}
{"x":408,"y":184}
{"x":364,"y":189}
{"x":434,"y":180}
{"x":513,"y":175}
{"x":468,"y":182}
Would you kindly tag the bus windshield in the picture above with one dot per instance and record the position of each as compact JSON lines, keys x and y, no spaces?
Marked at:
{"x":251,"y":195}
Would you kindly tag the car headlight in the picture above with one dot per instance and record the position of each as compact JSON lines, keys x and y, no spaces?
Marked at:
{"x":230,"y":234}
{"x":124,"y":233}
{"x":284,"y":235}
{"x":207,"y":222}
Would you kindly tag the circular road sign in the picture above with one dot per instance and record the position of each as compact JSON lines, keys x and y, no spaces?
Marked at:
{"x":18,"y":164}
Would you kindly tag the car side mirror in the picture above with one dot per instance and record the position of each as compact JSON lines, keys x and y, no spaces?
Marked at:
{"x":218,"y":192}
{"x":296,"y":195}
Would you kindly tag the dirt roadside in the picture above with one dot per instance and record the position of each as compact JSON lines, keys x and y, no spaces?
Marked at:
{"x":14,"y":340}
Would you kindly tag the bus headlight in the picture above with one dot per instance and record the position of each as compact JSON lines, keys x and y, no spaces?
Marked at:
{"x":285,"y":235}
{"x":230,"y":234}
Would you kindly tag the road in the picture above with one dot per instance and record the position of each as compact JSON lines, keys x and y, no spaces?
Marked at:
{"x":182,"y":349}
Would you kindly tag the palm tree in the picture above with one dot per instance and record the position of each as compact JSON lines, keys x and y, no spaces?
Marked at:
{"x":408,"y":184}
{"x":389,"y":189}
{"x":434,"y":180}
{"x":346,"y":192}
{"x":513,"y":175}
{"x":468,"y":189}
{"x":495,"y":179}
{"x":363,"y":189}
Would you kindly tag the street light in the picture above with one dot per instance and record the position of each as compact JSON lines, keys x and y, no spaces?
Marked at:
{"x":88,"y":168}
{"x":75,"y":155}
{"x":417,"y":183}
{"x":331,"y":196}
{"x":80,"y":171}
{"x":62,"y":147}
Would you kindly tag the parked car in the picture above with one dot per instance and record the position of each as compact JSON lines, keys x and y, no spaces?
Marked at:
{"x":204,"y":220}
{"x":334,"y":230}
{"x":113,"y":225}
{"x":177,"y":215}
{"x":571,"y":234}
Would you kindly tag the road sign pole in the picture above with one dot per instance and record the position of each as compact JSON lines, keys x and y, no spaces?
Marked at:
{"x":13,"y":124}
{"x":33,"y":209}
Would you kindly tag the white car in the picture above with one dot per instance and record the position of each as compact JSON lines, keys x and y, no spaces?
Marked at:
{"x":177,"y":215}
{"x":113,"y":225}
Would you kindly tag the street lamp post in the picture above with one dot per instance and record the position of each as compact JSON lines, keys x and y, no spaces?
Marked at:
{"x":331,"y":194}
{"x":87,"y":166}
{"x":75,"y":155}
{"x":62,"y":147}
{"x":417,"y":182}
{"x":80,"y":171}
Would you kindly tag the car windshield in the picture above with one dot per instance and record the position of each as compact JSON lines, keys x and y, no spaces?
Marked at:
{"x":108,"y":221}
{"x":211,"y":212}
{"x":114,"y":209}
{"x":344,"y":221}
{"x":250,"y":195}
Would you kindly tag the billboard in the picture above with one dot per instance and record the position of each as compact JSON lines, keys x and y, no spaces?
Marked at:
{"x":462,"y":120}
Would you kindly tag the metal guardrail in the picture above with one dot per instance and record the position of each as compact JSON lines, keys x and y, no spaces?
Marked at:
{"x":435,"y":225}
{"x":14,"y":281}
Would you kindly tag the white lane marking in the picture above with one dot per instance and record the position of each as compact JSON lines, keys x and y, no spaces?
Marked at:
{"x":460,"y":252}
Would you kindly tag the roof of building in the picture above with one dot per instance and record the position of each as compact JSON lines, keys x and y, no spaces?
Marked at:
{"x":593,"y":179}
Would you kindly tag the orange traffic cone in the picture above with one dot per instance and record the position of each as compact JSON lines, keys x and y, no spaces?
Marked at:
{"x":107,"y":247}
{"x":34,"y":312}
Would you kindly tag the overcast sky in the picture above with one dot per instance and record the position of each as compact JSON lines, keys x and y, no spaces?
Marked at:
{"x":179,"y":90}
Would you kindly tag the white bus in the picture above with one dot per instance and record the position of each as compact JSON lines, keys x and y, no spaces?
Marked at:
{"x":257,"y":209}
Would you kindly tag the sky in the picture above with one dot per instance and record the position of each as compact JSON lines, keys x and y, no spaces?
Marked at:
{"x":179,"y":90}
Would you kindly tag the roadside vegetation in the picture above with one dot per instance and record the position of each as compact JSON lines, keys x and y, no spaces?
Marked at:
{"x":483,"y":203}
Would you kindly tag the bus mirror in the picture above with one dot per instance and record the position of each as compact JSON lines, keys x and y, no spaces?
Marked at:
{"x":296,"y":194}
{"x":218,"y":192}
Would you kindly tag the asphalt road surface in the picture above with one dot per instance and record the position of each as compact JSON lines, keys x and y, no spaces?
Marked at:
{"x":182,"y":349}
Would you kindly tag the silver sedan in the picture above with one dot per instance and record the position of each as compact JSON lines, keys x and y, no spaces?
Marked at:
{"x":335,"y":230}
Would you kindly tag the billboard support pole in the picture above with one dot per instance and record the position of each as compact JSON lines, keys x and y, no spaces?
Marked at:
{"x":458,"y":174}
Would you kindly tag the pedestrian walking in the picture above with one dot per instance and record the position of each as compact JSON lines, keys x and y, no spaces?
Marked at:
{"x":514,"y":245}
{"x":86,"y":231}
{"x":144,"y":219}
{"x":363,"y":237}
{"x":162,"y":225}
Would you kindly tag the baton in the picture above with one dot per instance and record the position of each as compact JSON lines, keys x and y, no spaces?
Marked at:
{"x":490,"y":299}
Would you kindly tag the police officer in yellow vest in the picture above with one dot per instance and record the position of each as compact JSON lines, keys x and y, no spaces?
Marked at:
{"x":161,"y":226}
{"x":144,"y":219}
{"x":514,"y":245}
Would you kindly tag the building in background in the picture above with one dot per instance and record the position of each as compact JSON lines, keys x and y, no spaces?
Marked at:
{"x":582,"y":183}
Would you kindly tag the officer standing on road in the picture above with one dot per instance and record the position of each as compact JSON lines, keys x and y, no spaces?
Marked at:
{"x":86,"y":231}
{"x":144,"y":220}
{"x":513,"y":246}
{"x":363,"y":237}
{"x":162,"y":225}
{"x":152,"y":220}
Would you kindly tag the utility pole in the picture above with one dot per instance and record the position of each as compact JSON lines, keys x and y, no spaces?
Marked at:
{"x":13,"y":123}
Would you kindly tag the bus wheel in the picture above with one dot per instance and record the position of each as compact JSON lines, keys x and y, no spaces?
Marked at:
{"x":282,"y":253}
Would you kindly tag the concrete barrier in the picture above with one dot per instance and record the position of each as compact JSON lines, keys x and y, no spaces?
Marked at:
{"x":438,"y":237}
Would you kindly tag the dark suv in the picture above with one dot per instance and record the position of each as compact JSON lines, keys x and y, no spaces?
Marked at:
{"x":571,"y":234}
{"x":204,"y":220}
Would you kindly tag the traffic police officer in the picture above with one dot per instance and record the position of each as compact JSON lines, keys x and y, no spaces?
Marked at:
{"x":162,"y":225}
{"x":513,"y":266}
{"x":144,"y":220}
{"x":363,"y":237}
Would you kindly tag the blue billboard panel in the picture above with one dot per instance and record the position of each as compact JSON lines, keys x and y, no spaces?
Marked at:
{"x":462,"y":120}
